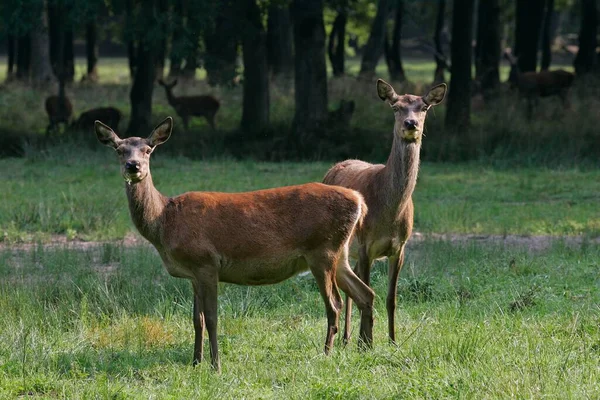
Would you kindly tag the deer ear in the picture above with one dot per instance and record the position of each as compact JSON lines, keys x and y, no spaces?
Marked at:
{"x":106,"y":136}
{"x":435,"y":95}
{"x":161,"y":133}
{"x":385,"y":91}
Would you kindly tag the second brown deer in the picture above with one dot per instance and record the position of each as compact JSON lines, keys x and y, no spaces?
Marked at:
{"x":388,"y":190}
{"x":108,"y":115}
{"x":191,"y":106}
{"x":253,"y":238}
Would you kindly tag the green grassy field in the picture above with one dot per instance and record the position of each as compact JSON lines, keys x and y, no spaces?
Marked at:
{"x":81,"y":195}
{"x":474,"y":321}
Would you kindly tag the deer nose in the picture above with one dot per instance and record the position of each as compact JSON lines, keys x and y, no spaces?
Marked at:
{"x":410,"y":124}
{"x":132,"y":166}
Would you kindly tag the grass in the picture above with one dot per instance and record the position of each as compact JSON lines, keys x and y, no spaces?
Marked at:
{"x":78,"y":193}
{"x":109,"y":322}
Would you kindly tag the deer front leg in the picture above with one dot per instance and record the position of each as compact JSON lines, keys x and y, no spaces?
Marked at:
{"x":198,"y":318}
{"x":395,"y":263}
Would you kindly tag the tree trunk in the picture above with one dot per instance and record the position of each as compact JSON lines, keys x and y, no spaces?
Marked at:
{"x":440,"y":59}
{"x":458,"y":112}
{"x":309,"y":63}
{"x":547,"y":36}
{"x":161,"y":45}
{"x":130,"y":38}
{"x":279,"y":42}
{"x":69,"y":55}
{"x":222,"y":46}
{"x":374,"y":47}
{"x":394,"y":53}
{"x":255,"y":108}
{"x":337,"y":38}
{"x":177,"y":40}
{"x":143,"y":81}
{"x":487,"y":50}
{"x":23,"y":58}
{"x":41,"y":70}
{"x":53,"y":33}
{"x":12,"y":51}
{"x":530,"y":14}
{"x":585,"y":61}
{"x":91,"y":51}
{"x":141,"y":92}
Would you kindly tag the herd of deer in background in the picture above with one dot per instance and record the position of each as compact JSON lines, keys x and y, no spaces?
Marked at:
{"x":530,"y":85}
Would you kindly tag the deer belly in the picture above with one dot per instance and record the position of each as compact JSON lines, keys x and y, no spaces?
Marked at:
{"x":261,"y":272}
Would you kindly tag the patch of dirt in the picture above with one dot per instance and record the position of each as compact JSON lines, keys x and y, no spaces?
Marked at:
{"x":533,"y":243}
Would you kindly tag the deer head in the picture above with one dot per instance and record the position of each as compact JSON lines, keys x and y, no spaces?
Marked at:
{"x":134,"y":152}
{"x":410,"y":110}
{"x":167,"y":86}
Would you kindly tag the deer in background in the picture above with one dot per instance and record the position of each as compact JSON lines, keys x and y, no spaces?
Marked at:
{"x":253,"y":238}
{"x":191,"y":106}
{"x":533,"y":85}
{"x":58,"y":112}
{"x":109,"y":115}
{"x":388,"y":190}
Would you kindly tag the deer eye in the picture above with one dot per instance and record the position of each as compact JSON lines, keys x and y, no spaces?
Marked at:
{"x":425,"y":108}
{"x":149,"y":150}
{"x":120,"y":151}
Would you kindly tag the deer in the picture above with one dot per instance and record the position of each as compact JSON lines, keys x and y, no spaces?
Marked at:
{"x":252,"y":238}
{"x":58,"y":112}
{"x":191,"y":106}
{"x":533,"y":85}
{"x":387,"y":190}
{"x":109,"y":115}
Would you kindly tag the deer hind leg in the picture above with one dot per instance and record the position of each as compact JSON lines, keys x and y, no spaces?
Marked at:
{"x":198,"y":317}
{"x":323,"y":269}
{"x":395,"y":263}
{"x":363,"y":264}
{"x":362,"y":295}
{"x":211,"y":121}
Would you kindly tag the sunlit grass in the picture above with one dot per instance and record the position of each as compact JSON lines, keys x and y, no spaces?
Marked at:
{"x":473,"y":321}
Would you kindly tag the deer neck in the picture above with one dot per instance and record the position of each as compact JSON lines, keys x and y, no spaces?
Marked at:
{"x":146,"y":205}
{"x":170,"y":98}
{"x":400,"y":172}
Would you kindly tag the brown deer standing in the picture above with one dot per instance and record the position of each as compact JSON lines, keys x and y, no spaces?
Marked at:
{"x":252,"y":238}
{"x":388,"y":190}
{"x":109,"y":115}
{"x":533,"y":85}
{"x":57,"y":112}
{"x":191,"y":106}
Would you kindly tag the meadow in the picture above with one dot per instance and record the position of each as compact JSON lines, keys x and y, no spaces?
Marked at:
{"x":90,"y":313}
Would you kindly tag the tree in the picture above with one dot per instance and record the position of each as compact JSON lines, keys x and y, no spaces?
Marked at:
{"x":440,"y":59}
{"x":585,"y":61}
{"x":255,"y":108}
{"x":487,"y":50}
{"x":147,"y":20}
{"x":11,"y":52}
{"x":547,"y":35}
{"x":458,"y":112}
{"x":91,"y":51}
{"x":23,"y":57}
{"x":222,"y":45}
{"x":279,"y":41}
{"x":374,"y":47}
{"x":393,"y":52}
{"x":337,"y":39}
{"x":309,"y":64}
{"x":528,"y":26}
{"x":41,"y":70}
{"x":177,"y":40}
